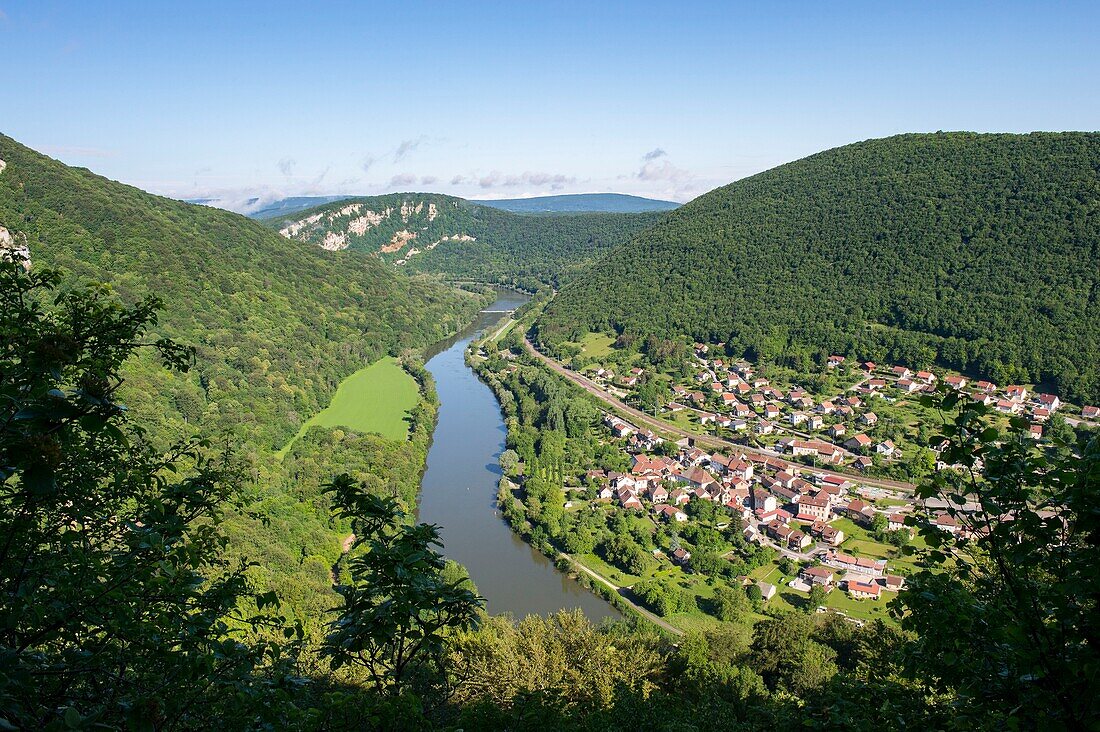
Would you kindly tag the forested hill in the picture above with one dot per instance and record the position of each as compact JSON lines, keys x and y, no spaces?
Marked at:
{"x":581,"y":202}
{"x":980,"y":251}
{"x":429,"y":232}
{"x":277,"y":323}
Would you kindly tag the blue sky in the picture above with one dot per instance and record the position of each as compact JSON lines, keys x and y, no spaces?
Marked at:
{"x":510,"y":99}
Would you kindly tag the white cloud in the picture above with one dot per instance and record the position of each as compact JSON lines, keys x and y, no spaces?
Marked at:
{"x":408,"y":146}
{"x":286,"y":166}
{"x":654,"y":154}
{"x":428,"y":180}
{"x":402,"y":179}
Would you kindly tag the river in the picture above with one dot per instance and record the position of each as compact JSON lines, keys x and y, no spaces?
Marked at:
{"x":459,"y":489}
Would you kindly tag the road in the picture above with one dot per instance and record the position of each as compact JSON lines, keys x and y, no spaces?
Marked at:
{"x":659,"y":424}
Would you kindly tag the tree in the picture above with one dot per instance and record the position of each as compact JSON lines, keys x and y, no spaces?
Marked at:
{"x":731,"y":604}
{"x":399,"y":605}
{"x":509,"y":460}
{"x":116,"y":600}
{"x":1007,"y":619}
{"x":817,"y":597}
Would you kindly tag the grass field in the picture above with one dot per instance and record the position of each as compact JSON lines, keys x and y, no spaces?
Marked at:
{"x":597,"y":345}
{"x":373,"y":399}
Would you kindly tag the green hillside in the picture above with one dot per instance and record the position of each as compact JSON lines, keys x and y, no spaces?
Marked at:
{"x":977,"y":251}
{"x":277,"y":324}
{"x":427,"y":232}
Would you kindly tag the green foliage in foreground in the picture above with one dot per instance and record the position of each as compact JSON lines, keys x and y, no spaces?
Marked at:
{"x":978,"y":252}
{"x":118,"y":607}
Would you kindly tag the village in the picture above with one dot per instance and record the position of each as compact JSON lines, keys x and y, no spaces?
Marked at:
{"x":798,"y":491}
{"x":869,"y":424}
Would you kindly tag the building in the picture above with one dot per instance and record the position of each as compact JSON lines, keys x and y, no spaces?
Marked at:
{"x":817,"y":507}
{"x":864,"y":590}
{"x":817,"y":576}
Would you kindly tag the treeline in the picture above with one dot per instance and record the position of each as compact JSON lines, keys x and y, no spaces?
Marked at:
{"x":977,"y":252}
{"x":523,"y":250}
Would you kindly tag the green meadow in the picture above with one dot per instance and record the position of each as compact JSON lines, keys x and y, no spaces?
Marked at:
{"x":376,"y":398}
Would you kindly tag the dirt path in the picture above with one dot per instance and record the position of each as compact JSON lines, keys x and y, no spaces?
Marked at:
{"x":620,"y":591}
{"x":659,"y":424}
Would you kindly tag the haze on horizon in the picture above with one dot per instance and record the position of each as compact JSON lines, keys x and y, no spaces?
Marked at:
{"x":509,"y":100}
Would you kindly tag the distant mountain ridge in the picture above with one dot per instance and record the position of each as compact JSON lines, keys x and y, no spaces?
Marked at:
{"x":977,"y":251}
{"x":580,"y":203}
{"x":431,"y":232}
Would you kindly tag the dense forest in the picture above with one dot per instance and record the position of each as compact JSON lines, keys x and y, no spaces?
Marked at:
{"x":276,"y":324}
{"x":980,"y":252}
{"x":433,"y":233}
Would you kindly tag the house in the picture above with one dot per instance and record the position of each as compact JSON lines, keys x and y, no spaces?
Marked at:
{"x":1016,"y":393}
{"x":675,"y":407}
{"x":856,"y":565}
{"x":658,"y":494}
{"x":679,"y":497}
{"x":862,"y":463}
{"x":869,"y":418}
{"x":797,"y":540}
{"x":1007,"y":406}
{"x":1035,"y":431}
{"x":766,"y":591}
{"x":1040,"y":414}
{"x":605,"y":493}
{"x":868,"y":366}
{"x":886,"y":448}
{"x":797,"y":418}
{"x":771,"y":411}
{"x":828,"y":534}
{"x":817,"y":507}
{"x":946,"y":522}
{"x":1090,"y":412}
{"x":955,"y":382}
{"x":987,"y":386}
{"x":909,"y":386}
{"x":864,"y":590}
{"x":629,"y":381}
{"x":681,"y":556}
{"x":740,"y":409}
{"x":816,"y":422}
{"x":835,"y":361}
{"x":627,"y":499}
{"x":837,"y":430}
{"x":858,"y":511}
{"x":858,"y":442}
{"x":764,"y":427}
{"x":826,"y":407}
{"x":817,"y":576}
{"x":1050,"y":401}
{"x":926,"y":376}
{"x":671,"y":513}
{"x":738,"y":424}
{"x":895,"y":522}
{"x":901,"y":372}
{"x":876,"y":384}
{"x":894,"y":582}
